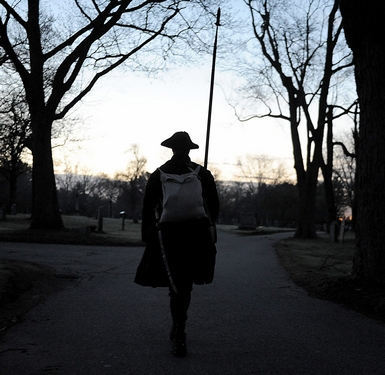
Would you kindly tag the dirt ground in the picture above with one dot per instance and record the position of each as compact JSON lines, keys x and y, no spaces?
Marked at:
{"x":319,"y":266}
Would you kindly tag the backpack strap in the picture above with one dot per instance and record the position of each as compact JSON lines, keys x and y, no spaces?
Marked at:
{"x":196,"y":170}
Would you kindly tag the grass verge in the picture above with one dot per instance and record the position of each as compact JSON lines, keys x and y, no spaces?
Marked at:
{"x":323,"y":269}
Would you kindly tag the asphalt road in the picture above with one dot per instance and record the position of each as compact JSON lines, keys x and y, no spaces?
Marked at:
{"x":251,"y":320}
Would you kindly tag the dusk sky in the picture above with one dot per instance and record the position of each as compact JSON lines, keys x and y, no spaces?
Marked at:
{"x":128,"y":108}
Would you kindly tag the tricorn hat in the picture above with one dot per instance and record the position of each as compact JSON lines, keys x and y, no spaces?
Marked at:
{"x":179,"y":141}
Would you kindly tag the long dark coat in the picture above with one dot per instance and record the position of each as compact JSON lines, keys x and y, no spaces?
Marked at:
{"x":190,"y":253}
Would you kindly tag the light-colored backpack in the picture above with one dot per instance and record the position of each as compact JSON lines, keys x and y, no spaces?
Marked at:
{"x":182,"y":197}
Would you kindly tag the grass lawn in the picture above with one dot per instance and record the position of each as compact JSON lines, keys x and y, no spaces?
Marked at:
{"x":77,"y":231}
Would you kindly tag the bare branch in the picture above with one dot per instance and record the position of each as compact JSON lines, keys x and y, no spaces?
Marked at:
{"x":344,"y":148}
{"x":121,"y":59}
{"x":11,"y":10}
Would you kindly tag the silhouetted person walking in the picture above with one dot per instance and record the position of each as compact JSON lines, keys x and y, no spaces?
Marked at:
{"x":180,"y":205}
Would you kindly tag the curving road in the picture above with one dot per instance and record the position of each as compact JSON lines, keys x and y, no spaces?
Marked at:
{"x":251,"y":320}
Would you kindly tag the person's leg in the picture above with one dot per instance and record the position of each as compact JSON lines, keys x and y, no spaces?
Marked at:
{"x":179,"y":304}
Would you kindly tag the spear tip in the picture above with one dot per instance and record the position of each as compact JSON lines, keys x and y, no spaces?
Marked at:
{"x":218,"y":17}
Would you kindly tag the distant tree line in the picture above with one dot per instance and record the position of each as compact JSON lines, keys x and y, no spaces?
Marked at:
{"x":274,"y":205}
{"x":22,"y":201}
{"x":262,"y":192}
{"x":82,"y":194}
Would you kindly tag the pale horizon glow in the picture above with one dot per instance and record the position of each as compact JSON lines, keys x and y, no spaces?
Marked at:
{"x":126,"y":109}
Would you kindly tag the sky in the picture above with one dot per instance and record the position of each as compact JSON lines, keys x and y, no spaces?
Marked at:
{"x":127,"y":108}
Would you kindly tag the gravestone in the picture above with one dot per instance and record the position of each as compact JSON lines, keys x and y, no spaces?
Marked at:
{"x":334,"y":231}
{"x":123,"y":215}
{"x":100,"y":219}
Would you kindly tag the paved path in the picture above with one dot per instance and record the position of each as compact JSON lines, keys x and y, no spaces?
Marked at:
{"x":251,"y":320}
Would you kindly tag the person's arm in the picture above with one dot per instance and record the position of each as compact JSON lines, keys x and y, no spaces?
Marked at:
{"x":151,"y":199}
{"x":210,"y":194}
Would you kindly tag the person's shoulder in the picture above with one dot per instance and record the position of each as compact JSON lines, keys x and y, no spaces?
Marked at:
{"x":156,"y":171}
{"x":196,"y":165}
{"x":167,"y":167}
{"x":200,"y":168}
{"x":154,"y":175}
{"x":203,"y":172}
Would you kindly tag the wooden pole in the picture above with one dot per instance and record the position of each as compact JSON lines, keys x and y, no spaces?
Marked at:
{"x":212,"y":89}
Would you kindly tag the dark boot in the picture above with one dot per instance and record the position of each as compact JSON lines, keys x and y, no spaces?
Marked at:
{"x":177,"y":328}
{"x":179,"y":346}
{"x":178,"y":337}
{"x":173,"y":332}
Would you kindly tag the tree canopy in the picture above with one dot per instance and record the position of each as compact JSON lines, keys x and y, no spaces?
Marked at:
{"x":294,"y":69}
{"x":57,"y":52}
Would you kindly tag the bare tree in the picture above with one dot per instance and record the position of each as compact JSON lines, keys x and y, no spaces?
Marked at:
{"x":82,"y":193}
{"x":364,"y":29}
{"x":60,"y":53}
{"x":16,"y":135}
{"x":261,"y":169}
{"x":259,"y":173}
{"x":66,"y":184}
{"x":297,"y":81}
{"x":15,"y":132}
{"x":131,"y":181}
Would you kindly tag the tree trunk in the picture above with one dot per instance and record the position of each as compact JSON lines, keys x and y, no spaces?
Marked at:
{"x":45,"y":204}
{"x":12,"y":188}
{"x":307,"y":199}
{"x":306,"y":179}
{"x":327,"y":172}
{"x":369,"y":261}
{"x":364,"y":29}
